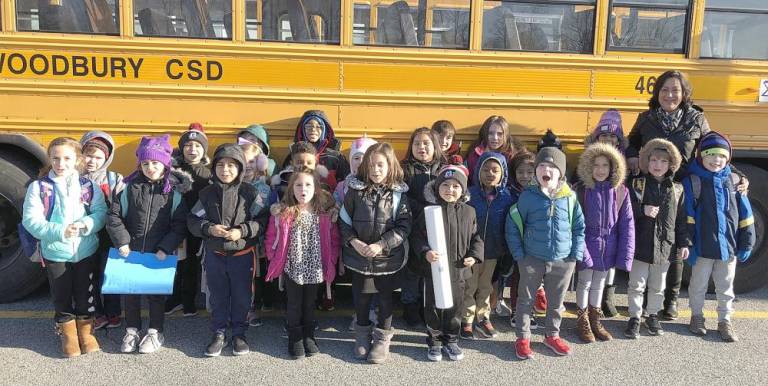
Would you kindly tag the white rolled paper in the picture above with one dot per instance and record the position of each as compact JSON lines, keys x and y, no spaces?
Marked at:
{"x":441,"y":278}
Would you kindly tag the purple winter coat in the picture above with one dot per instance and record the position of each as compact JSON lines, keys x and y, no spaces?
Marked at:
{"x":609,"y":230}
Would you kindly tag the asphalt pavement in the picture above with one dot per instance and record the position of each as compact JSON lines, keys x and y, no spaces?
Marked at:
{"x":29,"y":354}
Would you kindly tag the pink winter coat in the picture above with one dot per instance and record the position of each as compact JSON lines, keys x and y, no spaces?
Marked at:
{"x":276,"y":244}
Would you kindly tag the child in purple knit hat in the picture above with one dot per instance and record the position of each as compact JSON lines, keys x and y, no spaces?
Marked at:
{"x":149,"y":216}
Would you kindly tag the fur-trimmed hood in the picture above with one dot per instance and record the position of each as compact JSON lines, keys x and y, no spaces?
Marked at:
{"x":645,"y":153}
{"x":587,"y":159}
{"x":432,"y":196}
{"x":180,"y":180}
{"x":356,"y":184}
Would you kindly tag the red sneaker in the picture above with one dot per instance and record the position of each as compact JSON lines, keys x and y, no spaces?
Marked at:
{"x":523,"y":349}
{"x":557,"y":345}
{"x":114,"y":322}
{"x":540,"y":304}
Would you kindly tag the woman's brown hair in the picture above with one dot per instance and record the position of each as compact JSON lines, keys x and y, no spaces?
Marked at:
{"x":653,"y":103}
{"x":65,"y":141}
{"x":395,"y":173}
{"x":321,"y":201}
{"x":438,"y":153}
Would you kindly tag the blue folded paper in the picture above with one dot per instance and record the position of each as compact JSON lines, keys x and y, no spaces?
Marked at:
{"x":139,"y":273}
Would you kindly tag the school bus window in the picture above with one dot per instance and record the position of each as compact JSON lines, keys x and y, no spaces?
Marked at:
{"x":567,"y":26}
{"x":69,"y":16}
{"x":650,"y":25}
{"x":730,"y":28}
{"x":307,"y":21}
{"x":361,"y":31}
{"x":417,"y":23}
{"x":211,"y":19}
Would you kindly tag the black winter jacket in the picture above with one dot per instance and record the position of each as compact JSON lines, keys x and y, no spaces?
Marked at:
{"x":655,"y":237}
{"x":149,"y":225}
{"x":370,"y":211}
{"x":417,"y":175}
{"x":462,"y":236}
{"x":693,"y":125}
{"x":232,"y":205}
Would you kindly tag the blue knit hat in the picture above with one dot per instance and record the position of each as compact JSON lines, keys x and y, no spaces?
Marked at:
{"x":714,"y":143}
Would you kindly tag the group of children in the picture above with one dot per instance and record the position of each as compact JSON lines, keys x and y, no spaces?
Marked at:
{"x":511,"y":219}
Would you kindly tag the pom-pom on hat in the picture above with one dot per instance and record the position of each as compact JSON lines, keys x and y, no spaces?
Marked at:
{"x":549,"y":139}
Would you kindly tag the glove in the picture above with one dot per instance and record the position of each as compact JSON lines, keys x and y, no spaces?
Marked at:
{"x":743,"y":255}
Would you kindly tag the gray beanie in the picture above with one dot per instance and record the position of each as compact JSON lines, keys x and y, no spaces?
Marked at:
{"x":554,"y":156}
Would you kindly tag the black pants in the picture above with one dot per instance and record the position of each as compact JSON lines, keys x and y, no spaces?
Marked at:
{"x":156,"y":311}
{"x":72,"y":288}
{"x":265,"y":293}
{"x":443,"y":325}
{"x":300,"y":303}
{"x":385,"y":285}
{"x":674,"y":281}
{"x":107,"y":305}
{"x":186,"y":284}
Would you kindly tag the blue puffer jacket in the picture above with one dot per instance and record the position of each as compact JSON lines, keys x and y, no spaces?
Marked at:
{"x":722,"y":217}
{"x":549,"y":231}
{"x":491,"y":209}
{"x":67,"y":209}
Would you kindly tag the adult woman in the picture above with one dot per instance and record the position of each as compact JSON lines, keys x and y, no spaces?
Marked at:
{"x":671,"y":116}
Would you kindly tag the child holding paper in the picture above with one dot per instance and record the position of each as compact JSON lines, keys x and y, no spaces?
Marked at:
{"x":376,"y":222}
{"x":148,"y":216}
{"x":67,"y":225}
{"x":228,"y":218}
{"x":464,"y":247}
{"x":302,"y":242}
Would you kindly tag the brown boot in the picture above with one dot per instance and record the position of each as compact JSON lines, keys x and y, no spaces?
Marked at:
{"x":595,"y":313}
{"x":88,"y":343}
{"x":67,"y":331}
{"x":582,"y":326}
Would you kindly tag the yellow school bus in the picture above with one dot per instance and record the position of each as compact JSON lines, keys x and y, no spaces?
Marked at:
{"x":381,"y":67}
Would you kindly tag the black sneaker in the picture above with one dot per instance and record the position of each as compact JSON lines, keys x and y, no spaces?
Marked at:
{"x":653,"y":325}
{"x":633,"y":328}
{"x":190,"y":311}
{"x":669,"y":312}
{"x":485,"y":329}
{"x":240,"y":345}
{"x":217,"y":344}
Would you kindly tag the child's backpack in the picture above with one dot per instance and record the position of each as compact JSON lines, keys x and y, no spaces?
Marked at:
{"x":696,"y":185}
{"x":30,"y":246}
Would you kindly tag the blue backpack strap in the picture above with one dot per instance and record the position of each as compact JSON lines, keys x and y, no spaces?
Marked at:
{"x":176,"y":201}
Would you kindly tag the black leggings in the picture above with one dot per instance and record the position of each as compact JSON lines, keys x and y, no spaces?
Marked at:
{"x":72,"y":288}
{"x":156,"y":311}
{"x":300,"y":303}
{"x":385,"y":285}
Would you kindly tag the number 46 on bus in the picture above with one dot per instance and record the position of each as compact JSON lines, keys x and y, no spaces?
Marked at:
{"x":645,"y":85}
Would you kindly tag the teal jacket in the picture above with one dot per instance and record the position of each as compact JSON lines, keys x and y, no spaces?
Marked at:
{"x":552,"y":228}
{"x":67,"y":209}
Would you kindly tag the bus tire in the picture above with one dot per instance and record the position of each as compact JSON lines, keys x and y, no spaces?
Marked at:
{"x":18,"y":275}
{"x":752,"y":274}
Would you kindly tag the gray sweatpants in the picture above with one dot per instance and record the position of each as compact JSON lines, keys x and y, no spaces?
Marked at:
{"x":652,"y":276}
{"x":556,"y":275}
{"x":722,"y":273}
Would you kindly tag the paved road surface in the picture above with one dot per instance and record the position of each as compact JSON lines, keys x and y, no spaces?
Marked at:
{"x":29,"y":355}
